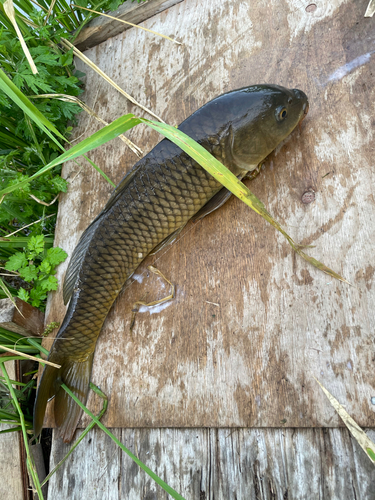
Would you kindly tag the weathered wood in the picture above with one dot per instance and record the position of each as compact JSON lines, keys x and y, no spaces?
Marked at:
{"x":11,"y":483}
{"x":101,"y":28}
{"x":251,"y":360}
{"x":21,"y":317}
{"x":217,"y":464}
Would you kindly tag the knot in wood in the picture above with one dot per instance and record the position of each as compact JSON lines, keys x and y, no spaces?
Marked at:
{"x":308,"y":197}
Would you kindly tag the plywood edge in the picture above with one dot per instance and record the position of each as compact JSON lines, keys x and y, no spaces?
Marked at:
{"x":101,"y":28}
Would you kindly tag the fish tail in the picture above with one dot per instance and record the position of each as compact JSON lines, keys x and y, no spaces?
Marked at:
{"x":76,"y":376}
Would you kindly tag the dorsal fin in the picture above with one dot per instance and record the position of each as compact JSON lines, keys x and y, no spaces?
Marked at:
{"x":77,"y":258}
{"x":119,"y":189}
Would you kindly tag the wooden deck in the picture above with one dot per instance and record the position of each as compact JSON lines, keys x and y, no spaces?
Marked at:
{"x":210,"y":378}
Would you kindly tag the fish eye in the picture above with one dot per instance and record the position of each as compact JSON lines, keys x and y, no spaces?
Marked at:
{"x":281,"y":114}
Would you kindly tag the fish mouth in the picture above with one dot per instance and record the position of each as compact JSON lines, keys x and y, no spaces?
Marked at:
{"x":301,"y":96}
{"x":305,"y":110}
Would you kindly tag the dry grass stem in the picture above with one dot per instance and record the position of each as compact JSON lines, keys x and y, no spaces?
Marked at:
{"x":70,"y":98}
{"x":156,"y":302}
{"x":29,"y":356}
{"x":28,"y":225}
{"x":93,"y":66}
{"x":126,"y":22}
{"x":370,"y":9}
{"x":43,"y":202}
{"x":49,"y":11}
{"x":9,"y":11}
{"x":359,"y":435}
{"x":9,"y":295}
{"x":40,"y":6}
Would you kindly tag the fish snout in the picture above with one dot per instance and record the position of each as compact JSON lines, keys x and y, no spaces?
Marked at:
{"x":301,"y":96}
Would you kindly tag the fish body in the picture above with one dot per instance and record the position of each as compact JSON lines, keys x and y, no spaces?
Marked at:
{"x":152,"y":203}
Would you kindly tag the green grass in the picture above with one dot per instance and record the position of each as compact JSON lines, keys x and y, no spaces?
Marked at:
{"x":32,"y":134}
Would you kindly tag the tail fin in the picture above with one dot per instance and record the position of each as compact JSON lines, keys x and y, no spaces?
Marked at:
{"x":74,"y":374}
{"x":49,"y":384}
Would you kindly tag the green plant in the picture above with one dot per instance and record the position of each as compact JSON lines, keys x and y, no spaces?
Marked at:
{"x":36,"y":266}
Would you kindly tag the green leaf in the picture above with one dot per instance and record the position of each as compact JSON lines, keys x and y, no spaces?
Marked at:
{"x":29,"y":273}
{"x":45,"y":267}
{"x":55,"y":256}
{"x":16,"y":262}
{"x":36,"y":244}
{"x":371,"y":454}
{"x":8,"y":87}
{"x":67,"y":58}
{"x":36,"y":296}
{"x":48,"y":284}
{"x":59,"y":184}
{"x":23,"y":294}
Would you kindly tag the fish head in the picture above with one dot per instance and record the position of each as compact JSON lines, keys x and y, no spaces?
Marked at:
{"x":269,"y":115}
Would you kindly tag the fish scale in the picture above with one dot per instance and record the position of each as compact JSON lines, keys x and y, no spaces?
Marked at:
{"x":157,"y":198}
{"x":138,"y":207}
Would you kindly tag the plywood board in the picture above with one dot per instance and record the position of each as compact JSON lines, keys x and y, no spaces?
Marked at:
{"x":217,"y":464}
{"x":249,"y":360}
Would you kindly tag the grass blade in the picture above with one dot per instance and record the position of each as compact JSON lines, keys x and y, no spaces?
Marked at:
{"x":359,"y":435}
{"x":156,"y":478}
{"x":91,"y":112}
{"x":104,"y":135}
{"x":87,"y":61}
{"x":9,"y":10}
{"x":8,"y":87}
{"x":24,"y":355}
{"x":370,"y":9}
{"x":88,"y":428}
{"x":230,"y":181}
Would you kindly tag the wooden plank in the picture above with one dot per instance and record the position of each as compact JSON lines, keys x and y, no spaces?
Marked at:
{"x":220,"y":464}
{"x":101,"y":28}
{"x":11,"y":484}
{"x":21,"y":317}
{"x":249,"y":362}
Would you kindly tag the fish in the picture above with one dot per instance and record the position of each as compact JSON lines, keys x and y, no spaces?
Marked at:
{"x":146,"y":211}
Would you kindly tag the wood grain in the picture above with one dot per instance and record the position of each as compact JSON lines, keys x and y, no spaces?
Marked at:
{"x":250,"y":361}
{"x":217,"y":464}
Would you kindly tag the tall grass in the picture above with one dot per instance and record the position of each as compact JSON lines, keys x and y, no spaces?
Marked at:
{"x":31,"y":29}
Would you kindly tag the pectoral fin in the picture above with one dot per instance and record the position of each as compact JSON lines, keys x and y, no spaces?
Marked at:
{"x":167,"y":241}
{"x":222,"y":196}
{"x":213,"y":204}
